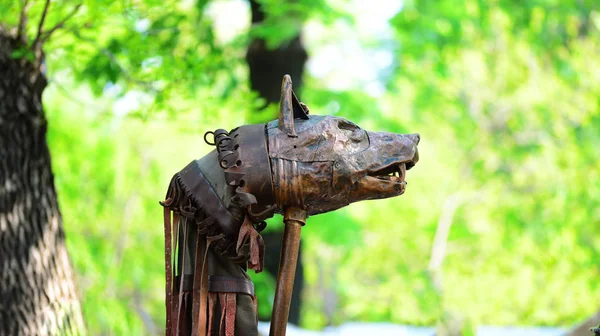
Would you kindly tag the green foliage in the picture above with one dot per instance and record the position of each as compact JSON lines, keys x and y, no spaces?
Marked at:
{"x":23,"y":53}
{"x":508,"y":92}
{"x":504,"y":94}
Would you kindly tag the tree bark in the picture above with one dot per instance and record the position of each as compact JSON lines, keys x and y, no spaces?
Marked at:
{"x":37,"y":290}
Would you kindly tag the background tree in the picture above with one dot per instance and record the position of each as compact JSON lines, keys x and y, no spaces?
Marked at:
{"x":36,"y":283}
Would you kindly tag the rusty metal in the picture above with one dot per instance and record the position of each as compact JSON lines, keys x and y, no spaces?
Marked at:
{"x":250,"y":174}
{"x":331,"y":162}
{"x":297,"y":165}
{"x":294,"y":219}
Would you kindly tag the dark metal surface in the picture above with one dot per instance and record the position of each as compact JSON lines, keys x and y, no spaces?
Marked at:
{"x":254,"y":170}
{"x":294,"y":219}
{"x":197,"y":187}
{"x":298,"y":165}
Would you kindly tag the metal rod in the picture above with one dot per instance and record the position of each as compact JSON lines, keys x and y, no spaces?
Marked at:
{"x":294,"y":219}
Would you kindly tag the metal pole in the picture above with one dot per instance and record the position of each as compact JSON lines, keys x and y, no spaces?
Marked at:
{"x":294,"y":219}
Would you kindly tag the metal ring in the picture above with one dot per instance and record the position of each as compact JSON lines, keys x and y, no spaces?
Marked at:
{"x":209,"y":143}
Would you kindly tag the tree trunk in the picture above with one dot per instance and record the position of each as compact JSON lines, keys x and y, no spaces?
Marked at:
{"x":37,"y":290}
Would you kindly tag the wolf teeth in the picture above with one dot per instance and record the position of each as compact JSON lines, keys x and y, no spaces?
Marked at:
{"x":402,"y":172}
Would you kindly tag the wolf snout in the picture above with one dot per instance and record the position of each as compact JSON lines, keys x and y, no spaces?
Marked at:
{"x":415,"y":137}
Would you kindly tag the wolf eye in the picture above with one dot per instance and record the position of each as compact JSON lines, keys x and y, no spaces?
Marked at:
{"x":347,"y":125}
{"x":352,"y":131}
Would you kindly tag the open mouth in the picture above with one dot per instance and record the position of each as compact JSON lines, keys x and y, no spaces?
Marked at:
{"x":393,"y":173}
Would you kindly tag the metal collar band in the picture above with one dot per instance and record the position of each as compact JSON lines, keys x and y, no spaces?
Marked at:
{"x":244,"y":157}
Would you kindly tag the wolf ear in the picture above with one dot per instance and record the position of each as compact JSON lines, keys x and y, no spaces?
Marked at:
{"x":289,"y":108}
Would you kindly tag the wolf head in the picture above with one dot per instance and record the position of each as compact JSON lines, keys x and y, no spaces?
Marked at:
{"x":314,"y":163}
{"x":322,"y":163}
{"x":298,"y":162}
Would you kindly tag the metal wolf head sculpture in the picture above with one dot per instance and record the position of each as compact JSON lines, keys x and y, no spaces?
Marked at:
{"x":219,"y":203}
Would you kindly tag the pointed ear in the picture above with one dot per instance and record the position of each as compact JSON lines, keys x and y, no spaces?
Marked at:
{"x":289,"y":108}
{"x":286,"y":107}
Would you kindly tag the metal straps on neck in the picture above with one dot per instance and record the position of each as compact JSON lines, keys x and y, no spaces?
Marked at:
{"x":200,"y":190}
